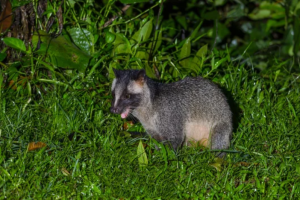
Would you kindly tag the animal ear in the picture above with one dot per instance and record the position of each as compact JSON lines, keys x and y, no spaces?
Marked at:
{"x":140,"y":78}
{"x":117,"y":73}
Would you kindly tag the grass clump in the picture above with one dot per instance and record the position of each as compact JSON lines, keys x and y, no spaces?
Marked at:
{"x":86,"y":156}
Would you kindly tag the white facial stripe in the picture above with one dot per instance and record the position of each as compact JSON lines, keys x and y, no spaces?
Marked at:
{"x":134,"y":88}
{"x":118,"y":93}
{"x":113,"y":85}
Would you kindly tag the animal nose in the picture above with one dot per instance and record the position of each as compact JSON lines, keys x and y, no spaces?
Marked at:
{"x":114,"y":110}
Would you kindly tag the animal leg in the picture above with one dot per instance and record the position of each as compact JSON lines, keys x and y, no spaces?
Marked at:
{"x":220,"y":138}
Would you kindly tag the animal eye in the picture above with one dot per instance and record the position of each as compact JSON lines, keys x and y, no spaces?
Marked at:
{"x":127,"y":96}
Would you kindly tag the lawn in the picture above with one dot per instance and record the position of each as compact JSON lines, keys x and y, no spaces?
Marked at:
{"x":58,"y":139}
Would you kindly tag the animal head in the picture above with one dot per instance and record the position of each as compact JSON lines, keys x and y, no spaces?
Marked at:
{"x":127,"y":90}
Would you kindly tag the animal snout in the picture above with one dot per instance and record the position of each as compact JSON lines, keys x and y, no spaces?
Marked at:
{"x":114,"y":110}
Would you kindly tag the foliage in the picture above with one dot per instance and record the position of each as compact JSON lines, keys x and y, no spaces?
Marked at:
{"x":59,"y":140}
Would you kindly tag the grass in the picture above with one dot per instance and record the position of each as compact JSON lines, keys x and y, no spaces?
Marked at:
{"x":87,"y":156}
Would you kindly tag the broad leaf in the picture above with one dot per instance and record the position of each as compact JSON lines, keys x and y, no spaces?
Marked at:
{"x":2,"y":56}
{"x":15,"y":43}
{"x":199,"y":59}
{"x":149,"y":71}
{"x":202,"y":51}
{"x":274,"y":23}
{"x":260,"y":14}
{"x":109,"y":37}
{"x":185,"y":53}
{"x":144,"y":33}
{"x":121,"y":44}
{"x":63,"y":53}
{"x":83,"y":39}
{"x":142,"y":156}
{"x":182,"y":21}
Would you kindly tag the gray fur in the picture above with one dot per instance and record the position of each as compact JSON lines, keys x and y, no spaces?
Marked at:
{"x":165,"y":110}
